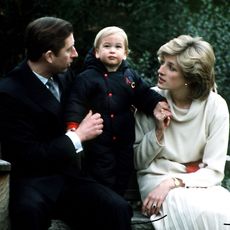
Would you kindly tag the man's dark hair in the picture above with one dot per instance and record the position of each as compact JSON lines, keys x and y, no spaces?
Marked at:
{"x":46,"y":33}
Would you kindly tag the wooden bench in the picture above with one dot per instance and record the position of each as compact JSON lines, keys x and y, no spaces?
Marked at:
{"x":139,"y":222}
{"x":4,"y":194}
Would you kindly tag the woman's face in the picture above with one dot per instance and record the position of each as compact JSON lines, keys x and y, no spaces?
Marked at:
{"x":170,"y":75}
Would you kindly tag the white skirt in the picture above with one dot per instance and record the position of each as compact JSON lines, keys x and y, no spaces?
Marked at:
{"x":195,"y":209}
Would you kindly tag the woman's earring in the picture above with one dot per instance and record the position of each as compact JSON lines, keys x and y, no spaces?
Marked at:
{"x":186,"y":84}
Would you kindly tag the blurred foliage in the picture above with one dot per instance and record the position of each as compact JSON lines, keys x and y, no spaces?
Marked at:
{"x":226,"y":180}
{"x":148,"y":23}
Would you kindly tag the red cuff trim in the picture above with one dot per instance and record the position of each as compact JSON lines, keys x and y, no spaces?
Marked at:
{"x":72,"y":125}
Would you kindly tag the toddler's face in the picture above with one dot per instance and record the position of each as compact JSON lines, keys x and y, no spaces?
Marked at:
{"x":112,"y":51}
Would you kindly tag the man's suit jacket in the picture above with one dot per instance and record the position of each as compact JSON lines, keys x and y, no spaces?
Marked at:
{"x":32,"y":132}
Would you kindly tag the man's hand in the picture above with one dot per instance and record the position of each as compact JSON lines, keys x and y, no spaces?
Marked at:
{"x":90,"y":127}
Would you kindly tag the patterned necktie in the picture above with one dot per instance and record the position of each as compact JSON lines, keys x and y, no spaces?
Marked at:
{"x":51,"y":86}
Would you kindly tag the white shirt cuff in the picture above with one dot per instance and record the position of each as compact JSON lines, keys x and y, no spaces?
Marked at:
{"x":76,"y":140}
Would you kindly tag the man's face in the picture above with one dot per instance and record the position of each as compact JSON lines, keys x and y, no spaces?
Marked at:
{"x":65,"y":57}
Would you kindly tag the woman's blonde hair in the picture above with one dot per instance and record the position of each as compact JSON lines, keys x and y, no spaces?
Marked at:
{"x":110,"y":30}
{"x":196,"y":59}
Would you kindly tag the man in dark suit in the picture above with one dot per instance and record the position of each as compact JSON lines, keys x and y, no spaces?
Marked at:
{"x":45,"y":180}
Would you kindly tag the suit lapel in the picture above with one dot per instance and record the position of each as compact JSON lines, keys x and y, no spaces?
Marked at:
{"x":38,"y":92}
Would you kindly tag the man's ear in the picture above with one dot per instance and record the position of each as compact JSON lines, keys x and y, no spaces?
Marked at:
{"x":49,"y":56}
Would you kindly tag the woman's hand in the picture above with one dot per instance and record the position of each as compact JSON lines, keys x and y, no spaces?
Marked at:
{"x":162,"y":116}
{"x":153,"y":201}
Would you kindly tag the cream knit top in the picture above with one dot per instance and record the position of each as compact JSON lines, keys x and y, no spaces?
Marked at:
{"x":198,"y":133}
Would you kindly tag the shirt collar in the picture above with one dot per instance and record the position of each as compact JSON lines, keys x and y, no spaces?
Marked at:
{"x":44,"y":80}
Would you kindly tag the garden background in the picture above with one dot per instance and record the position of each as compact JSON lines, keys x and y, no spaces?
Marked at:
{"x":148,"y":23}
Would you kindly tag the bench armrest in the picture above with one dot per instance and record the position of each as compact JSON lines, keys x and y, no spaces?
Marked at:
{"x":5,"y":166}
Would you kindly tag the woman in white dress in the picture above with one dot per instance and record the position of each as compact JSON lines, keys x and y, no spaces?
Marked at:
{"x":180,"y":160}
